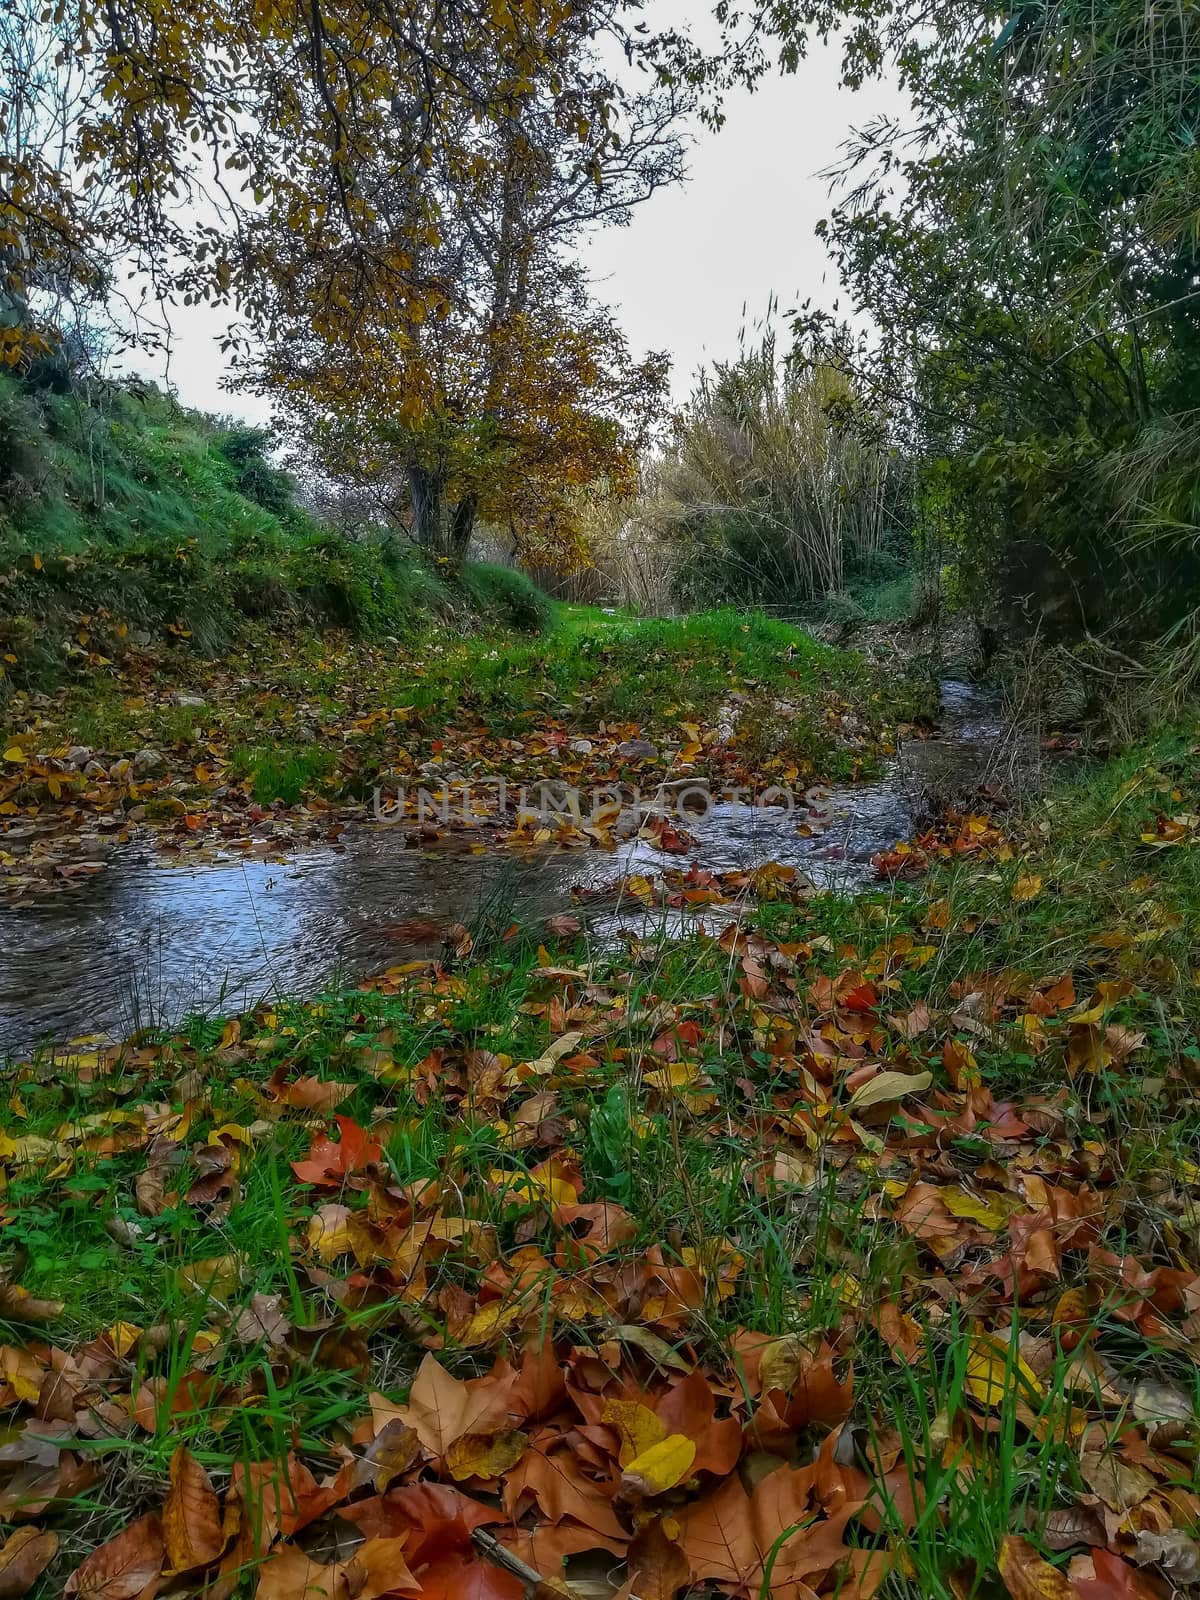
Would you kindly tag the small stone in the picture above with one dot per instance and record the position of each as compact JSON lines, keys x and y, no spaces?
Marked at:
{"x":637,"y":750}
{"x":581,"y":747}
{"x":119,"y":769}
{"x":79,"y":755}
{"x":194,"y":701}
{"x":94,"y":769}
{"x":147,"y":762}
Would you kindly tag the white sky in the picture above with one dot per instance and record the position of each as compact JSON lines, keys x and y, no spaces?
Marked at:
{"x":697,"y":263}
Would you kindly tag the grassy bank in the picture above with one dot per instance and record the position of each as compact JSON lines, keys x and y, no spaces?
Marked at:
{"x":287,"y":729}
{"x":850,"y":1251}
{"x":132,"y":527}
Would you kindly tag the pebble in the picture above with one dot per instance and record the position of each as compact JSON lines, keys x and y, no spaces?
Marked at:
{"x":637,"y":750}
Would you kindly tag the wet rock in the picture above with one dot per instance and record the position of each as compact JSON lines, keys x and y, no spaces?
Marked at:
{"x":637,"y":750}
{"x":147,"y":762}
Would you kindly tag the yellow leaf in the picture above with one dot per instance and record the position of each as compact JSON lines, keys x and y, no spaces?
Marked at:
{"x":489,"y":1323}
{"x":988,"y":1213}
{"x":485,"y":1455}
{"x":123,"y":1336}
{"x":15,"y":754}
{"x":1027,"y":887}
{"x":662,"y":1466}
{"x":994,"y":1372}
{"x":887,"y":1086}
{"x":637,"y":1425}
{"x":329,"y":1233}
{"x":534,"y":1187}
{"x":679,"y":1075}
{"x":1027,"y":1577}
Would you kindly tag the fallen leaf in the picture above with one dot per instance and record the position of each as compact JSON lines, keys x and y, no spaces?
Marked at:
{"x":191,"y":1517}
{"x":123,"y":1567}
{"x":660,"y":1467}
{"x":1027,"y":1576}
{"x":442,"y":1409}
{"x":888,"y":1086}
{"x":485,"y":1455}
{"x":995,"y":1374}
{"x":24,"y":1556}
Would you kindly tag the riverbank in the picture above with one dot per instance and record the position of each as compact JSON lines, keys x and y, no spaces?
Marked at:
{"x":284,"y":739}
{"x":850,"y":1250}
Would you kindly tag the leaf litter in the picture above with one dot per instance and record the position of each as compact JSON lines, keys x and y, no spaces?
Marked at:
{"x":804,"y":1259}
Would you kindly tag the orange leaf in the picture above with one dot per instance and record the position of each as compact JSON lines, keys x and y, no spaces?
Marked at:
{"x":330,"y":1161}
{"x":1026,"y":1576}
{"x":191,"y":1517}
{"x":23,"y":1559}
{"x":558,"y":1486}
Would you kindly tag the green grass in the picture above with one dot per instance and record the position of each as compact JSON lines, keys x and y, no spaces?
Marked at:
{"x":127,"y":521}
{"x":816,"y":1250}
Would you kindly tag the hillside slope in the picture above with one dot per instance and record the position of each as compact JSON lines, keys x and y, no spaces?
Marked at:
{"x":128,"y":521}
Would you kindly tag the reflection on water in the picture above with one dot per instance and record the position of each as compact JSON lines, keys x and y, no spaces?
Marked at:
{"x":147,"y":941}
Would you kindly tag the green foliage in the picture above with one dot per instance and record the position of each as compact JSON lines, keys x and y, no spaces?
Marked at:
{"x":148,"y":521}
{"x":508,"y":597}
{"x":610,"y":1145}
{"x":1025,"y":242}
{"x":245,"y":449}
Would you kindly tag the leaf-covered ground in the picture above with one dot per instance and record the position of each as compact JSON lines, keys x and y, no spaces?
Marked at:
{"x":285,"y":739}
{"x":853,"y":1251}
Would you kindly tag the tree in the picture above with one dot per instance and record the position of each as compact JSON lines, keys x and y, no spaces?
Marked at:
{"x":1025,"y":244}
{"x":514,"y":391}
{"x":203,"y":116}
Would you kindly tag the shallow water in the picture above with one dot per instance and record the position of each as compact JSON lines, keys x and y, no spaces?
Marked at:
{"x":147,"y":941}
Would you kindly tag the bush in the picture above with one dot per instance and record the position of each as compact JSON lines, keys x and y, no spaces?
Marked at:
{"x":246,"y":451}
{"x":504,"y":595}
{"x":843,"y":610}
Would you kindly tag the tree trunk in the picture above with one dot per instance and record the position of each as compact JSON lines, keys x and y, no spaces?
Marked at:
{"x":462,"y":525}
{"x":428,"y":492}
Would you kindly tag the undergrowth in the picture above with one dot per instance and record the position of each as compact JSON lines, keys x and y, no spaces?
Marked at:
{"x":827,"y":1137}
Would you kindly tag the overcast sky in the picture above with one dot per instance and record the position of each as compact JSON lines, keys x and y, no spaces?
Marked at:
{"x":698,"y":263}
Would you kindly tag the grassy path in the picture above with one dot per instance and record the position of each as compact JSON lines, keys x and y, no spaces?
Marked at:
{"x":852,"y":1252}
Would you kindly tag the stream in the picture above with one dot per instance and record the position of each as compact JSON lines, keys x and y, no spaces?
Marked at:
{"x":148,"y":941}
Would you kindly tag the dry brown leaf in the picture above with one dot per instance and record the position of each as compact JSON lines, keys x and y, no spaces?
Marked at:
{"x":124,"y":1567}
{"x":18,"y":1305}
{"x":23,"y":1558}
{"x":1120,"y":1484}
{"x":191,"y":1516}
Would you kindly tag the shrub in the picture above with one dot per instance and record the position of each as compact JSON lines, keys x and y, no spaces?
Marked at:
{"x":504,"y":595}
{"x":246,"y":451}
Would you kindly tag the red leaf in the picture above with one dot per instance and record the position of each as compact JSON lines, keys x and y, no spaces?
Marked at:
{"x":330,"y":1161}
{"x":1115,"y":1580}
{"x":466,"y":1577}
